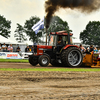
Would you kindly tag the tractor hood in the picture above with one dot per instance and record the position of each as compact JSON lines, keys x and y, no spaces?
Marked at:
{"x":44,"y":46}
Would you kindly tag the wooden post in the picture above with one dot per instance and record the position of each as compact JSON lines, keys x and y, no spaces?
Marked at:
{"x":46,"y":36}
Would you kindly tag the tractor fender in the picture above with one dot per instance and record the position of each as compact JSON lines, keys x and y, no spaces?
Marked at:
{"x":67,"y":46}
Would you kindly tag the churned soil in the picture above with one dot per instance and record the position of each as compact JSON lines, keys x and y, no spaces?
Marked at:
{"x":34,"y":85}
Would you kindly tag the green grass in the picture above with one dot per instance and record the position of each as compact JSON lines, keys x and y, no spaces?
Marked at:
{"x":14,"y":60}
{"x":44,"y":69}
{"x":52,"y":69}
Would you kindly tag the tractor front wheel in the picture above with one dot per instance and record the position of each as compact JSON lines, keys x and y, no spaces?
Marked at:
{"x":44,"y":60}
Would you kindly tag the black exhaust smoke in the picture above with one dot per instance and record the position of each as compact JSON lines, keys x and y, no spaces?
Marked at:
{"x":85,"y":6}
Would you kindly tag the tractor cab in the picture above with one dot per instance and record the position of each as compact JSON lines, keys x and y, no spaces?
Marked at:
{"x":59,"y":40}
{"x":54,"y":38}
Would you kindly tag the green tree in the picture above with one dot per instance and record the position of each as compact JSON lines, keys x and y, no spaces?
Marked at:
{"x":19,"y":34}
{"x":29,"y":32}
{"x":5,"y":26}
{"x":57,"y":24}
{"x":91,"y":35}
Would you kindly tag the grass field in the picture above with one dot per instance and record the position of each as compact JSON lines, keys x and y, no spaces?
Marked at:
{"x":42,"y":69}
{"x":52,"y":69}
{"x":14,"y":60}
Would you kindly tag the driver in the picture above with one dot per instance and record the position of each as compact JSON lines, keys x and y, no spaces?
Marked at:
{"x":60,"y":43}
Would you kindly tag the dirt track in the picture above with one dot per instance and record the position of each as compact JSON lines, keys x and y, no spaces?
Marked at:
{"x":47,"y":85}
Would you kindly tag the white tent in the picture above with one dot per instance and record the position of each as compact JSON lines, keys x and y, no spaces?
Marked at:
{"x":6,"y":41}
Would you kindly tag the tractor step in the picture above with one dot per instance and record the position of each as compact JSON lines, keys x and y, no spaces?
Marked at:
{"x":58,"y":53}
{"x":58,"y":56}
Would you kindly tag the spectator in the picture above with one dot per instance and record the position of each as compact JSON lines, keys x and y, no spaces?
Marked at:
{"x":99,"y":51}
{"x":82,"y":48}
{"x":10,"y":48}
{"x":91,"y":48}
{"x":18,"y":49}
{"x":32,"y":48}
{"x":27,"y":49}
{"x":4,"y":47}
{"x":95,"y":50}
{"x":87,"y":50}
{"x":0,"y":48}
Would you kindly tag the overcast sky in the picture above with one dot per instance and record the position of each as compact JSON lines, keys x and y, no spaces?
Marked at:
{"x":18,"y":11}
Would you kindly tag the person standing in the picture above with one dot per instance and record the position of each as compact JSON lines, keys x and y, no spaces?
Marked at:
{"x":32,"y":49}
{"x":95,"y":50}
{"x":27,"y":49}
{"x":0,"y":48}
{"x":4,"y":47}
{"x":91,"y":48}
{"x":82,"y":48}
{"x":18,"y":49}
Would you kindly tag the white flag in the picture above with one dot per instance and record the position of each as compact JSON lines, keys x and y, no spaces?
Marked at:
{"x":38,"y":26}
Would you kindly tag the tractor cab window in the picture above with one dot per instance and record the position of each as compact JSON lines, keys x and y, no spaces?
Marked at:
{"x":65,"y":39}
{"x":54,"y":38}
{"x":52,"y":41}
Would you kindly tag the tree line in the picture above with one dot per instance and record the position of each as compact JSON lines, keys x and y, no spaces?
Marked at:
{"x":90,"y":35}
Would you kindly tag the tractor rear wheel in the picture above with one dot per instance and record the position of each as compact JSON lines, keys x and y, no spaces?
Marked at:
{"x":44,"y":60}
{"x":33,"y":61}
{"x":72,"y":57}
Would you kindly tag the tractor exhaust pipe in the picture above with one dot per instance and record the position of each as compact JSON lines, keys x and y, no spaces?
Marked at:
{"x":46,"y":36}
{"x":68,"y":38}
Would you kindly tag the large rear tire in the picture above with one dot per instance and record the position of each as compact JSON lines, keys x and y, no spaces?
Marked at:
{"x":44,"y":60}
{"x":33,"y":61}
{"x":72,"y":57}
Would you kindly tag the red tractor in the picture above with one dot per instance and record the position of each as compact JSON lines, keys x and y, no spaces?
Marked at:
{"x":69,"y":54}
